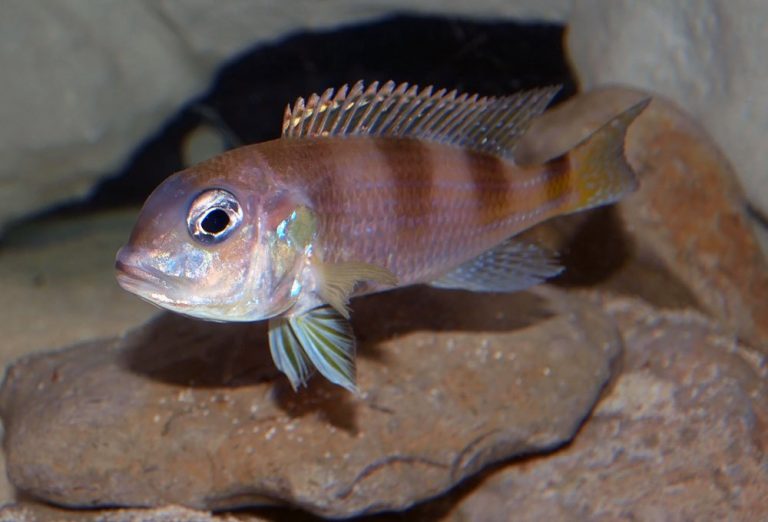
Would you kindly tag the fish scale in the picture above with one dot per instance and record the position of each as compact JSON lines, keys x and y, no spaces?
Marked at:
{"x":401,"y":225}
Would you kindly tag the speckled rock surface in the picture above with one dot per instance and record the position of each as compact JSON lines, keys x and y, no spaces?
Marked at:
{"x":191,"y":413}
{"x":687,"y":218}
{"x":681,"y":435}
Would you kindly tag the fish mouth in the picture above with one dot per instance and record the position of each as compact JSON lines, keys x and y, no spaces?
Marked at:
{"x":131,"y":276}
{"x":145,"y":281}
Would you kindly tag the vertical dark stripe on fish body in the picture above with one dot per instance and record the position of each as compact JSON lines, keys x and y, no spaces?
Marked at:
{"x":492,"y":191}
{"x":312,"y":162}
{"x":559,"y":178}
{"x":334,"y":183}
{"x":416,"y":207}
{"x":411,"y":168}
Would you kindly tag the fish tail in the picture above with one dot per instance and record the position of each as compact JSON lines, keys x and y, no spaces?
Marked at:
{"x":601,"y":174}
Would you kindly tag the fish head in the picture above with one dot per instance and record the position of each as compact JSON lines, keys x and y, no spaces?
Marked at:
{"x":210,"y":247}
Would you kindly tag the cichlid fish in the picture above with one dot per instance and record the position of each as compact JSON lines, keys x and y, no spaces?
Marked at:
{"x":367,"y":189}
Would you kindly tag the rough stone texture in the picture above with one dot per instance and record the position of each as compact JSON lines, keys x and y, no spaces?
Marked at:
{"x":74,"y":86}
{"x":58,"y":288}
{"x":190,"y":413}
{"x":681,"y":435}
{"x":688,"y":215}
{"x":707,"y":55}
{"x":84,"y":82}
{"x":33,"y":512}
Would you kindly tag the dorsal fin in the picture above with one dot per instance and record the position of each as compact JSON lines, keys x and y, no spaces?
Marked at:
{"x":485,"y":124}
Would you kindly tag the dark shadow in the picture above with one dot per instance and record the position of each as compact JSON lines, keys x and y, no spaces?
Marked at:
{"x":333,"y":403}
{"x":189,"y":352}
{"x":595,"y":247}
{"x":393,"y":314}
{"x":598,"y":252}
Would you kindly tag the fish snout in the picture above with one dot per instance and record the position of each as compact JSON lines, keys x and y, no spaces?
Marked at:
{"x":130,"y":273}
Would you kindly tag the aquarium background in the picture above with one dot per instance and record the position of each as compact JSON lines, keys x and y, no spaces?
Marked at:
{"x":101,"y":101}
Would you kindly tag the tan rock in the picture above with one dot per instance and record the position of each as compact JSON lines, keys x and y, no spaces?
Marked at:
{"x":191,"y":413}
{"x":681,"y":435}
{"x":35,"y":512}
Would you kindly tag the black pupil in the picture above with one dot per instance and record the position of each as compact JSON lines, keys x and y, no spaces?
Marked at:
{"x":215,"y":222}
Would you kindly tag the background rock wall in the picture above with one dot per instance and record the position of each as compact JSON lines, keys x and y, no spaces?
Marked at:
{"x":707,"y":55}
{"x":83,"y":82}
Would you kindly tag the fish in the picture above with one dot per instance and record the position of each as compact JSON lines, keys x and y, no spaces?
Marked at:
{"x":369,"y":188}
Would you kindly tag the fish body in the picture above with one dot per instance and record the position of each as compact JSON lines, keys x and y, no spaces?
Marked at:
{"x":367,"y":190}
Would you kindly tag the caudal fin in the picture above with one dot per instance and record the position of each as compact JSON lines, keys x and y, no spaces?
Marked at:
{"x":601,"y":173}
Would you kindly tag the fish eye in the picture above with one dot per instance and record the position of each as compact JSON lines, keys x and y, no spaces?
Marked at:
{"x":213,"y":216}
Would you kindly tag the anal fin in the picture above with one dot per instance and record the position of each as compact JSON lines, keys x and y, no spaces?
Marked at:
{"x":511,"y":266}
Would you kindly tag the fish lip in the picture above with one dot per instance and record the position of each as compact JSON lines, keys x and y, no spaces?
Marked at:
{"x":131,"y":276}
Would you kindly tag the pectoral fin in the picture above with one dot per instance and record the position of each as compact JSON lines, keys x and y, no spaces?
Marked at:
{"x":511,"y":266}
{"x":336,"y":281}
{"x":287,"y":352}
{"x":321,"y":338}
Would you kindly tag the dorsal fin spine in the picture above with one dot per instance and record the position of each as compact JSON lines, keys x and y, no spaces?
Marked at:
{"x":332,"y":118}
{"x":436,"y":120}
{"x":456,"y":119}
{"x":300,"y":108}
{"x":380,"y":104}
{"x":314,"y":102}
{"x":326,"y":100}
{"x":467,"y":123}
{"x":398,"y":100}
{"x":361,"y":125}
{"x":351,"y":107}
{"x":490,"y":125}
{"x":437,"y":103}
{"x":401,"y":124}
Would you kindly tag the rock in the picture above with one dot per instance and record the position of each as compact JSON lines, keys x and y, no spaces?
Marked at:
{"x":688,"y":217}
{"x":58,"y":288}
{"x":193,"y":413}
{"x":75,"y":89}
{"x":707,"y":58}
{"x":33,"y":512}
{"x":682,"y":434}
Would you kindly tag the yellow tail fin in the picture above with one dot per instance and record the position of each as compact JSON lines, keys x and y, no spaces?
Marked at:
{"x":600,"y":169}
